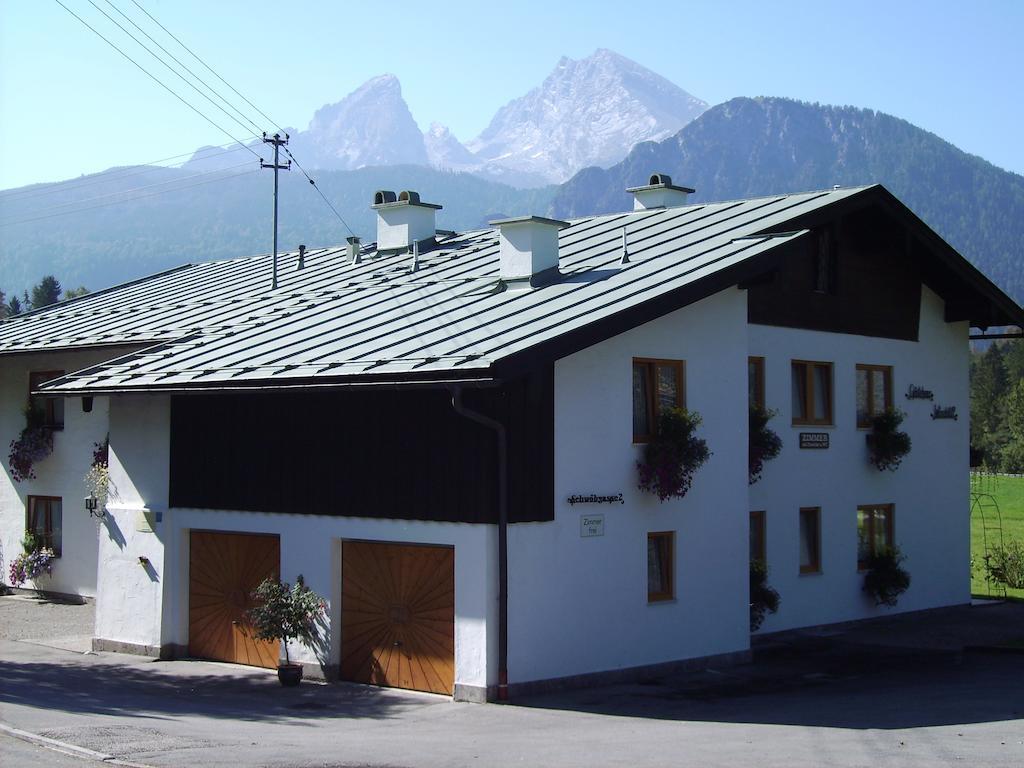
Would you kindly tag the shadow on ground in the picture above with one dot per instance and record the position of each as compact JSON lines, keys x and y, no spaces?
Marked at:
{"x":133,"y":691}
{"x":824,"y":683}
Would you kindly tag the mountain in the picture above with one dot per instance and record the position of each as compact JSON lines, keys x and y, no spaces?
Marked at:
{"x":586,"y":112}
{"x":444,"y":150}
{"x":764,"y":146}
{"x":180,"y":218}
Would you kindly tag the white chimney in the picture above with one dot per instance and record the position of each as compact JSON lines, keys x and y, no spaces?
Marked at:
{"x":528,"y":250}
{"x":402,"y":221}
{"x":659,"y":193}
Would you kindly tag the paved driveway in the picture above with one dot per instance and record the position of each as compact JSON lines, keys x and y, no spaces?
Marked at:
{"x":811,"y":699}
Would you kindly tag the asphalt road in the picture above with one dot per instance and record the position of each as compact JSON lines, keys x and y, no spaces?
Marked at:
{"x":810,"y":701}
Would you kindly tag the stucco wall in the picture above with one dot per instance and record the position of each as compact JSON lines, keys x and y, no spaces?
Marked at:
{"x":61,"y":474}
{"x":579,"y":605}
{"x":930,"y":489}
{"x":148,"y":606}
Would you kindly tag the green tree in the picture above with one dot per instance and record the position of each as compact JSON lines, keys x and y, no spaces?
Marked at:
{"x":3,"y":306}
{"x":1014,"y":358}
{"x":47,"y":292}
{"x":989,"y":388}
{"x":74,"y":293}
{"x":1013,"y":453}
{"x":14,"y":307}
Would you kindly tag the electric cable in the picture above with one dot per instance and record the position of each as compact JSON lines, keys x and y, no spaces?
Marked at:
{"x":319,"y":191}
{"x":158,"y":81}
{"x":116,"y":202}
{"x":180,"y":76}
{"x":212,"y":90}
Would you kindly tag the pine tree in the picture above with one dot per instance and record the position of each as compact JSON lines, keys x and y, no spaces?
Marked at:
{"x":46,"y":293}
{"x":14,"y":307}
{"x":1013,"y":356}
{"x":3,"y":306}
{"x":989,"y":388}
{"x":1013,"y":452}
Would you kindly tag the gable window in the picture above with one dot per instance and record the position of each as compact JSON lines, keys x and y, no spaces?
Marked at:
{"x":657,"y":385}
{"x":660,"y":566}
{"x":874,"y":531}
{"x":52,"y":408}
{"x":43,"y":520}
{"x":874,"y":392}
{"x":757,"y":537}
{"x":812,"y":392}
{"x":810,"y":540}
{"x":755,"y":381}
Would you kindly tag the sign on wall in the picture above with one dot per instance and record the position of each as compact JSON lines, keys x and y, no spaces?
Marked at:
{"x":595,"y":498}
{"x":944,"y":412}
{"x":591,"y":525}
{"x":915,"y":392}
{"x":814,"y":440}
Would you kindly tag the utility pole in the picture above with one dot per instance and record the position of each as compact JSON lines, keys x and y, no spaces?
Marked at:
{"x":278,"y":142}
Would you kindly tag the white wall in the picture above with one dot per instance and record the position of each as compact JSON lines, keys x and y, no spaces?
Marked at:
{"x":61,"y":474}
{"x":579,"y":605}
{"x":930,"y":489}
{"x":149,"y":606}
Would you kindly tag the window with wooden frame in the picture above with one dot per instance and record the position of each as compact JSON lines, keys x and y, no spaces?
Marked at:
{"x":52,"y":408}
{"x":657,"y":385}
{"x":755,"y":381}
{"x":874,"y":392}
{"x":874,"y":531}
{"x":43,"y":519}
{"x":812,"y":393}
{"x":810,"y":540}
{"x":758,"y":548}
{"x":660,"y":566}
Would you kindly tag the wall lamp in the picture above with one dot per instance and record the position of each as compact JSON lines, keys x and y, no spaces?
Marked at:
{"x":92,"y":504}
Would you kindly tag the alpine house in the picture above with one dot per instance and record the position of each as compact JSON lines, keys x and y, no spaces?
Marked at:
{"x":441,"y":432}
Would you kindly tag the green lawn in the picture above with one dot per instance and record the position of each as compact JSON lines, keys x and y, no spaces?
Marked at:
{"x":1008,"y":493}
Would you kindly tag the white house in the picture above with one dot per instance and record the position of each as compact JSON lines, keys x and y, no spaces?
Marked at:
{"x":442,"y":434}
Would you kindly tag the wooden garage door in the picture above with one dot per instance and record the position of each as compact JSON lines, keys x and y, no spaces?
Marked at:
{"x":224,"y":569}
{"x":398,"y":615}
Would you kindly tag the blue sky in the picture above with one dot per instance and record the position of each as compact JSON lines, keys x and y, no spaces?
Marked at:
{"x":71,"y":105}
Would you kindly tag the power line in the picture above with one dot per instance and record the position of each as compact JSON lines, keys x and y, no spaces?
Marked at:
{"x":320,"y":192}
{"x":184,"y":66}
{"x":122,"y":172}
{"x":116,"y":202}
{"x":130,"y":190}
{"x":197,"y":58}
{"x":157,"y":80}
{"x":180,"y":76}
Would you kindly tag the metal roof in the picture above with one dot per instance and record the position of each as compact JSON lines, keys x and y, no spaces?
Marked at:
{"x":218,"y":324}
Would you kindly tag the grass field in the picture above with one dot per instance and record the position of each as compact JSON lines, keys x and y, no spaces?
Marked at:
{"x":1008,"y":493}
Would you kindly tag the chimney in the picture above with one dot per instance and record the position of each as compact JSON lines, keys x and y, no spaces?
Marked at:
{"x":353,"y":249}
{"x":402,"y":221}
{"x":302,"y":256}
{"x":528,"y":250}
{"x":660,"y":192}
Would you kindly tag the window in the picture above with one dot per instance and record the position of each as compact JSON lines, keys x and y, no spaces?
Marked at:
{"x":43,"y":520}
{"x":757,"y":537}
{"x":660,"y":567}
{"x":657,"y":385}
{"x":52,"y":408}
{"x":810,"y":540}
{"x":755,"y":381}
{"x":874,"y":392}
{"x":812,"y":392}
{"x":874,"y":531}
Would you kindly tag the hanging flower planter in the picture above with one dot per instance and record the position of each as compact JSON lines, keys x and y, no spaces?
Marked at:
{"x":673,"y":456}
{"x":34,"y":561}
{"x":33,"y":445}
{"x":97,"y":479}
{"x":885,"y":580}
{"x":764,"y":444}
{"x":887,"y":445}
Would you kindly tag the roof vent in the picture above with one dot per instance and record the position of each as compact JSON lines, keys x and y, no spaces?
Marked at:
{"x":659,"y":192}
{"x":528,"y":250}
{"x":302,"y":256}
{"x":353,"y":251}
{"x":402,"y":220}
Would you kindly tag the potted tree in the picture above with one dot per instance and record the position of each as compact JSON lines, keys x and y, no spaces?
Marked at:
{"x":885,"y":579}
{"x":285,"y":612}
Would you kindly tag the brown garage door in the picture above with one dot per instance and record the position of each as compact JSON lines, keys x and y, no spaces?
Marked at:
{"x":398,"y":615}
{"x":224,"y":569}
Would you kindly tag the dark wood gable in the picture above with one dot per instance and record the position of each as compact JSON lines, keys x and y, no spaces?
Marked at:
{"x":855,"y":273}
{"x":400,"y":454}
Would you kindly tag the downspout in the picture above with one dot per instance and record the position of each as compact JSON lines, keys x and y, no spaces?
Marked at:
{"x":499,"y":430}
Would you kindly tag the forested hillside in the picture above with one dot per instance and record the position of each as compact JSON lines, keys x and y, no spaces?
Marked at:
{"x":751,"y":147}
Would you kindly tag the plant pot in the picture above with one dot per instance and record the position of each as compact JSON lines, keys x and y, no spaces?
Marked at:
{"x":289,"y":674}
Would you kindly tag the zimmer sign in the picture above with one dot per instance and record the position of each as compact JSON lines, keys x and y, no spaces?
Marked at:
{"x":814,"y":440}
